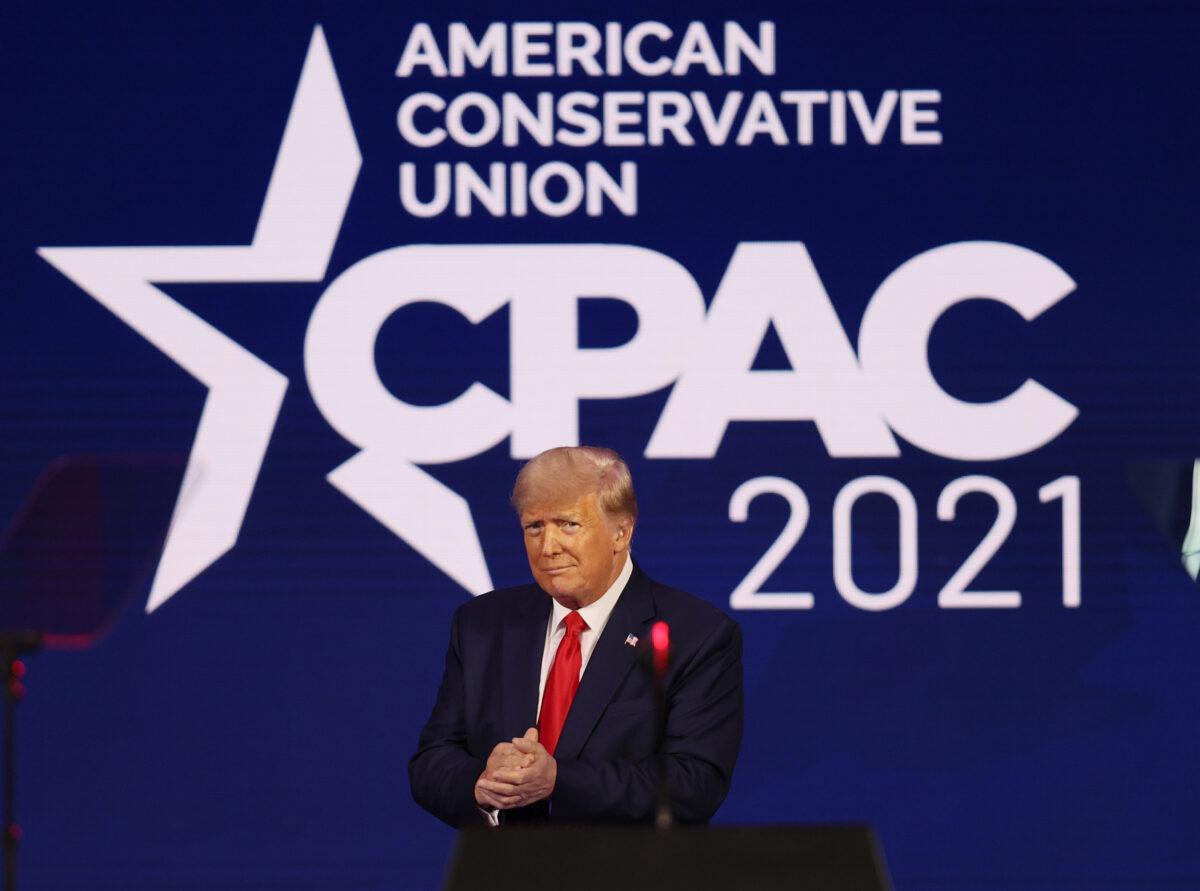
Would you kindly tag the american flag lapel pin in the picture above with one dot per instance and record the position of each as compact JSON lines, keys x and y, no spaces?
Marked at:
{"x":630,"y":640}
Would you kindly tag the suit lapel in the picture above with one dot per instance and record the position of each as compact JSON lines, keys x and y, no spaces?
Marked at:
{"x":524,"y":640}
{"x":610,"y":662}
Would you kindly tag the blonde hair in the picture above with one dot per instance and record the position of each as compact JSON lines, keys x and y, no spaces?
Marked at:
{"x":577,"y":470}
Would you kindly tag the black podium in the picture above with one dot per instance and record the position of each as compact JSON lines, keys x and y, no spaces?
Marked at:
{"x":764,"y":858}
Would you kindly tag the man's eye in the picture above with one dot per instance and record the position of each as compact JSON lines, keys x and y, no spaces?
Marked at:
{"x":570,"y":524}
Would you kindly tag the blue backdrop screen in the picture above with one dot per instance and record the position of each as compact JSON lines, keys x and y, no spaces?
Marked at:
{"x":890,"y":310}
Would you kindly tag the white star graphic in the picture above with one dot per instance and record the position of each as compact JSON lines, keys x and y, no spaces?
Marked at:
{"x":314,"y":174}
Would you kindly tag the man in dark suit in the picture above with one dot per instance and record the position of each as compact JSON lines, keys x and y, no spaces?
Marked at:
{"x":546,"y":710}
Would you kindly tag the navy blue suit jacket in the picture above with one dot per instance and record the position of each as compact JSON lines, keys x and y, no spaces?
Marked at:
{"x":608,"y":752}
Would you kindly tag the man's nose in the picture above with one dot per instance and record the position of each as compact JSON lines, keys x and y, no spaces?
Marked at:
{"x":550,"y":542}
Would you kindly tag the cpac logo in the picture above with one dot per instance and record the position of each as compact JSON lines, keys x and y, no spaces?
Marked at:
{"x":858,"y":402}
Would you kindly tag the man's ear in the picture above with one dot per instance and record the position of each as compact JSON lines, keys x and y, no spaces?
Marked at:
{"x":623,"y":535}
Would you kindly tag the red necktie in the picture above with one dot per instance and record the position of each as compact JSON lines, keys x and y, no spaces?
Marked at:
{"x":561,"y":683}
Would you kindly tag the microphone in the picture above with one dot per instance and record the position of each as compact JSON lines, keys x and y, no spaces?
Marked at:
{"x":660,"y":643}
{"x":658,"y":663}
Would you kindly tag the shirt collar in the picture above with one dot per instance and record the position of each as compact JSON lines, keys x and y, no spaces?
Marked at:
{"x":597,"y":612}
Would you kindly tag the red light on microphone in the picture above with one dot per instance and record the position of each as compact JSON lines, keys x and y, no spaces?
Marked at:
{"x":660,"y":639}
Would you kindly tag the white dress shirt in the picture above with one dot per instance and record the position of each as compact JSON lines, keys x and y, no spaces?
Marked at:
{"x":595,"y":614}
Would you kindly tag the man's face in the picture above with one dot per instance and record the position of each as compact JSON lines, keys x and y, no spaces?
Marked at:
{"x":574,"y":550}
